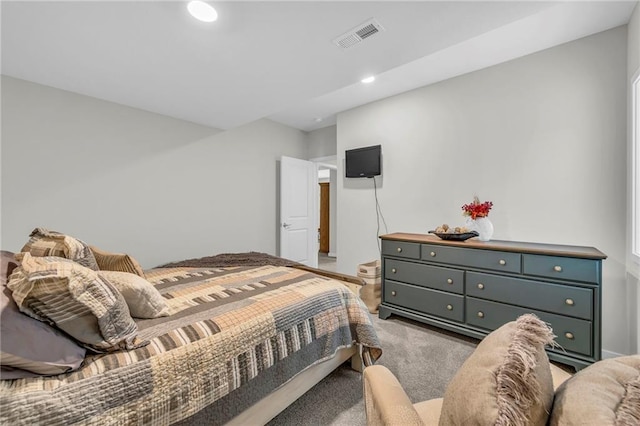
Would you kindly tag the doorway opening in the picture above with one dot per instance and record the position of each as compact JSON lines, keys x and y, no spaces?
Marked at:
{"x":327,"y":191}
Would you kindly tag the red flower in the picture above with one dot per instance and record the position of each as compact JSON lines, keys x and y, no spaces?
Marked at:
{"x":477,"y":209}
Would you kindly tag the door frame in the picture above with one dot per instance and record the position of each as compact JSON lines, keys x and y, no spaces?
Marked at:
{"x":329,"y":162}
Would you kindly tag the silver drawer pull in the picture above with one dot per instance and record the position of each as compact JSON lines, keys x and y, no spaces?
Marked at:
{"x":502,"y":262}
{"x":480,"y":314}
{"x":394,"y":270}
{"x":569,"y":302}
{"x":480,"y":286}
{"x":393,"y":293}
{"x":557,"y":268}
{"x":450,"y":307}
{"x":432,"y":254}
{"x":569,"y":335}
{"x":399,"y":249}
{"x":449,"y":281}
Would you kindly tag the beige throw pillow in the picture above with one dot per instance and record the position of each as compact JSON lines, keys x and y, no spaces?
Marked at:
{"x":43,"y":242}
{"x":605,"y":393}
{"x":116,"y":262}
{"x":506,"y":381}
{"x":143,"y":299}
{"x":76,"y":300}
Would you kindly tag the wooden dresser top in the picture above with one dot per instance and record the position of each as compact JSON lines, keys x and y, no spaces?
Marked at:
{"x":515,"y":246}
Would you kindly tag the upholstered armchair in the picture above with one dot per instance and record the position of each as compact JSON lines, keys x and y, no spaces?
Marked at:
{"x":508,"y":380}
{"x":387,"y":403}
{"x":508,"y":364}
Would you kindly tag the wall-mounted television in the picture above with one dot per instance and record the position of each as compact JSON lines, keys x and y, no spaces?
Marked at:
{"x":363,"y":162}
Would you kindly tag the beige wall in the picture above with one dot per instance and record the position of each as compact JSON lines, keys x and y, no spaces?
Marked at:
{"x":132,"y":181}
{"x":633,"y":267}
{"x":633,"y":48}
{"x":322,"y":142}
{"x":543,"y":137}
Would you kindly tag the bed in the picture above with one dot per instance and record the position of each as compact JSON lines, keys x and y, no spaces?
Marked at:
{"x":243,"y":340}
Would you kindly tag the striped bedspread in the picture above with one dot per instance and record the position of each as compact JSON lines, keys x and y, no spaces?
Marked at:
{"x":234,"y":335}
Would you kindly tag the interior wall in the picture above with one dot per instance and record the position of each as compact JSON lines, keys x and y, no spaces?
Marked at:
{"x":322,"y":142}
{"x":543,"y":137}
{"x":633,"y":266}
{"x":131,"y":181}
{"x":633,"y":37}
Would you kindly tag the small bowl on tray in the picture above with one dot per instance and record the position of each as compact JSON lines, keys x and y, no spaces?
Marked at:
{"x":455,"y":236}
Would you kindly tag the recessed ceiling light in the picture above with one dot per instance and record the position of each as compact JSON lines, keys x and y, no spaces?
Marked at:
{"x":369,"y":79}
{"x":202,"y":11}
{"x":318,"y":119}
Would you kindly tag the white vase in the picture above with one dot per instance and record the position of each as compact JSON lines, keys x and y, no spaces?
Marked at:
{"x":484,"y":227}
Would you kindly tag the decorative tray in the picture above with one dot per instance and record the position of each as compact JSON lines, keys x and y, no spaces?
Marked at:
{"x":455,"y":236}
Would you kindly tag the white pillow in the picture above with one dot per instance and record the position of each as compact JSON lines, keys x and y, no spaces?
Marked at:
{"x":143,"y":299}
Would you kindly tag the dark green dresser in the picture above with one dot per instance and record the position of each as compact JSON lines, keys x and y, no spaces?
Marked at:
{"x":473,"y":287}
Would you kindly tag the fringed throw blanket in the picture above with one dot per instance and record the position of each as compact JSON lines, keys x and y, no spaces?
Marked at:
{"x":234,"y":335}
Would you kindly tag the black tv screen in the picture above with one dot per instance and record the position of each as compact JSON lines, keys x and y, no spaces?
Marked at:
{"x":363,"y":162}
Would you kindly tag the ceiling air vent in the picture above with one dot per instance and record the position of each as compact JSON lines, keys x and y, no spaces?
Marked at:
{"x":359,"y":33}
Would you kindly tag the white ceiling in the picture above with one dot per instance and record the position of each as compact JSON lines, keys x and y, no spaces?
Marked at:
{"x":275,"y":59}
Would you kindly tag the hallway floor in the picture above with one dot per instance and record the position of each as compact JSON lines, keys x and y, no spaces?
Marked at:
{"x":326,"y":262}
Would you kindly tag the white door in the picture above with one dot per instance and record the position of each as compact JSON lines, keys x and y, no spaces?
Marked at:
{"x":298,"y":216}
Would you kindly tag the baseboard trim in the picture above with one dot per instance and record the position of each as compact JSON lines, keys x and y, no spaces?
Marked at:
{"x":610,"y":354}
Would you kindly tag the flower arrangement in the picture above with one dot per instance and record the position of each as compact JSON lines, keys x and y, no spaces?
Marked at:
{"x":477,"y":209}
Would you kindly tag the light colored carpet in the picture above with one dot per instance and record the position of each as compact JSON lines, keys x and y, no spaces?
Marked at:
{"x":423,"y":359}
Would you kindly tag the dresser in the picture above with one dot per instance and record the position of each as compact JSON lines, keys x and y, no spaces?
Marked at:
{"x":473,"y":287}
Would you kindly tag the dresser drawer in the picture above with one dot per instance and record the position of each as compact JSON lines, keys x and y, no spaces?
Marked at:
{"x":562,"y":268}
{"x":432,"y":302}
{"x":401,"y":249}
{"x":439,"y":278}
{"x":572,"y":334}
{"x":485,"y":259}
{"x":555,"y":298}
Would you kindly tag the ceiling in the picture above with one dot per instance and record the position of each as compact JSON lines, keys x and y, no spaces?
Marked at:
{"x":275,"y":59}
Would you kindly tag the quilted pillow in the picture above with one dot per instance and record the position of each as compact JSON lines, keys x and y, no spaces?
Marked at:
{"x":506,"y":380}
{"x":116,"y":262}
{"x":29,"y":347}
{"x":143,"y":299}
{"x":43,"y":242}
{"x":76,"y":299}
{"x":604,"y":393}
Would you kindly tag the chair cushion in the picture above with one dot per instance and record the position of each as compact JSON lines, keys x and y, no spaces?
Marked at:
{"x":506,"y":380}
{"x":429,"y":411}
{"x":559,"y":376}
{"x":604,"y":393}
